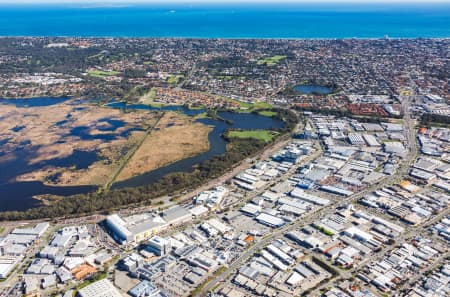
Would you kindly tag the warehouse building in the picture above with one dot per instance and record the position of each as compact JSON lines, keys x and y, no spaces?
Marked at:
{"x":102,"y":288}
{"x":300,"y":194}
{"x":270,"y":220}
{"x":135,"y":228}
{"x":356,"y":139}
{"x":371,"y":140}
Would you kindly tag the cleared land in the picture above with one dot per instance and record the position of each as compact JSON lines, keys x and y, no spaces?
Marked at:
{"x":175,"y":137}
{"x":264,"y":135}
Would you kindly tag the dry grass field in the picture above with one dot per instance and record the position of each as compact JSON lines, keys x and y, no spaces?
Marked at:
{"x":174,"y":138}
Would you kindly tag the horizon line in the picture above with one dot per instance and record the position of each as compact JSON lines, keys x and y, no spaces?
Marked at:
{"x":85,"y":2}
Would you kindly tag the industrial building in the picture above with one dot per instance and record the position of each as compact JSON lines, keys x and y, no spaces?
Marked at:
{"x":146,"y":289}
{"x":270,"y":220}
{"x":101,"y":288}
{"x":135,"y":228}
{"x":158,"y":246}
{"x":7,"y":265}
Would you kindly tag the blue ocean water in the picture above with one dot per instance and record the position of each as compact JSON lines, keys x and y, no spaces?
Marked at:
{"x":280,"y":20}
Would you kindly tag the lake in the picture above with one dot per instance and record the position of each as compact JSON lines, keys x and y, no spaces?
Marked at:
{"x":17,"y":195}
{"x":217,"y":144}
{"x":313,"y":89}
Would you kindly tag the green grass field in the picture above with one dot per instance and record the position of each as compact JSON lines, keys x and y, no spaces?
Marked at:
{"x":175,"y":79}
{"x":267,"y":113}
{"x":149,"y":98}
{"x":245,"y":107}
{"x":100,"y":73}
{"x":271,"y":61}
{"x":264,"y":135}
{"x":261,"y":105}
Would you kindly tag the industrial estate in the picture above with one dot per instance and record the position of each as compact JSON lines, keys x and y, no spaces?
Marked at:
{"x":232,"y":168}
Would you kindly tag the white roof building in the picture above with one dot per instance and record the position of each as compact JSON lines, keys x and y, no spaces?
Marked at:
{"x":358,"y":234}
{"x":139,"y":227}
{"x":37,"y":230}
{"x":7,"y":265}
{"x":371,"y":140}
{"x":300,"y":194}
{"x":270,"y":220}
{"x":102,"y":288}
{"x":356,"y":139}
{"x":211,"y":198}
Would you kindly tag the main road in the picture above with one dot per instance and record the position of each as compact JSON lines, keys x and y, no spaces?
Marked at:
{"x":318,"y":213}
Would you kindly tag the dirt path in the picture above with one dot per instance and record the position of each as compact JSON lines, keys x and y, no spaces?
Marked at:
{"x":130,"y":154}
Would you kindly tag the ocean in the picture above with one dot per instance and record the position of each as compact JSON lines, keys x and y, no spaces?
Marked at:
{"x":280,"y":20}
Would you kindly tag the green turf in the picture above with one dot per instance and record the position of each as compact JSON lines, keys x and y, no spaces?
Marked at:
{"x":249,"y":107}
{"x":263,"y":135}
{"x":149,"y":97}
{"x":175,"y":79}
{"x":271,"y":61}
{"x":100,"y":73}
{"x":267,"y":113}
{"x":156,"y":105}
{"x":261,"y":105}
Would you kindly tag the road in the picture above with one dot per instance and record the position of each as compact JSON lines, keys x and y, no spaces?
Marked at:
{"x":314,"y":215}
{"x":309,"y":218}
{"x":408,"y":234}
{"x":8,"y":284}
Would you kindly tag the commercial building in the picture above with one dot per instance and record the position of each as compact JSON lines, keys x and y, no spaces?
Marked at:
{"x":7,"y":265}
{"x":37,"y":230}
{"x":356,"y":139}
{"x":300,"y":194}
{"x":176,"y":215}
{"x":371,"y":140}
{"x":212,"y":198}
{"x":158,"y":245}
{"x":270,"y":220}
{"x":102,"y":288}
{"x":146,"y":289}
{"x":136,"y":228}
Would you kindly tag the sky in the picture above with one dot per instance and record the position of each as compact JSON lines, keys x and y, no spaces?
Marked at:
{"x":217,"y":1}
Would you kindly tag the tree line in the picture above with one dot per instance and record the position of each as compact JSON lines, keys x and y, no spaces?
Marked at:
{"x":428,"y":119}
